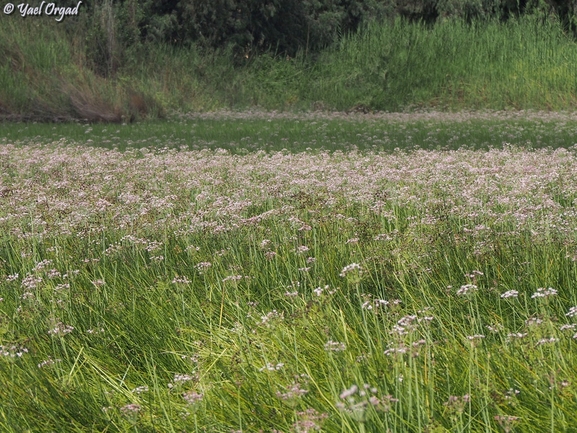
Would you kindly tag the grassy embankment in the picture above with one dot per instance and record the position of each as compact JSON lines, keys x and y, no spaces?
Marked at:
{"x":526,"y":64}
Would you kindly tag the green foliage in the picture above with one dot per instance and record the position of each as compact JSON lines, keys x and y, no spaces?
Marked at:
{"x":253,"y":26}
{"x":111,"y":30}
{"x":283,"y":26}
{"x":519,"y":64}
{"x":394,"y":65}
{"x":103,"y":46}
{"x":280,"y":26}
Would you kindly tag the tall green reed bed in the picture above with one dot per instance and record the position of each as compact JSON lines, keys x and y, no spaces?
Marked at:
{"x":199,"y":290}
{"x":521,"y":64}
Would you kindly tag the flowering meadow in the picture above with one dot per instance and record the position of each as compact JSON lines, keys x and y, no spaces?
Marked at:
{"x":171,"y":289}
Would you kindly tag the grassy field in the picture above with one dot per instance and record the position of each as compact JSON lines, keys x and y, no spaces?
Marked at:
{"x":240,"y":132}
{"x":290,"y":273}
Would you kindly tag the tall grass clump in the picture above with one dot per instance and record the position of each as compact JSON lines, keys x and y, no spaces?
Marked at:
{"x":44,"y":79}
{"x":46,"y":76}
{"x":524,"y":63}
{"x":171,"y":290}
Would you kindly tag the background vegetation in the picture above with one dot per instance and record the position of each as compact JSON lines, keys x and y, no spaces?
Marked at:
{"x":120,"y":61}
